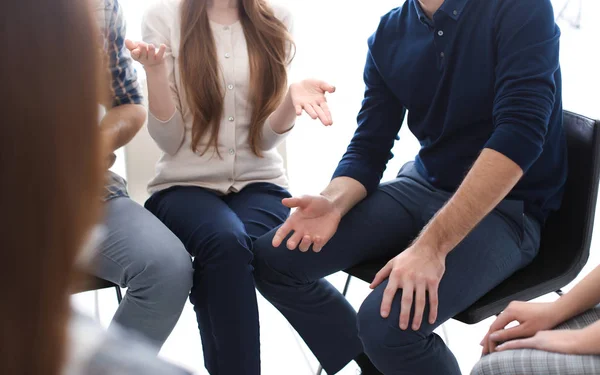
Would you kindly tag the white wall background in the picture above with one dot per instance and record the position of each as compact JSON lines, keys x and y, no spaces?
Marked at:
{"x":331,"y":39}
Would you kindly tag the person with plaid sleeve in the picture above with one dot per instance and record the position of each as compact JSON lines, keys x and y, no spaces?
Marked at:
{"x":139,"y":252}
{"x":561,"y":337}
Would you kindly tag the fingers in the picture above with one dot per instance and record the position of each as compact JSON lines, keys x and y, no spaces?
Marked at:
{"x":161,"y":52}
{"x":130,"y":44}
{"x":294,"y":202}
{"x":508,"y":334}
{"x":485,"y":344}
{"x":305,"y":244}
{"x":294,"y":241}
{"x":322,"y":115}
{"x":151,"y":52}
{"x":311,"y":111}
{"x":281,"y":233}
{"x":388,"y":297}
{"x":433,"y":302}
{"x":327,"y":87}
{"x":529,"y":343}
{"x":407,"y":301}
{"x":298,"y":110}
{"x":325,"y":107}
{"x":383,"y":274}
{"x":318,"y":244}
{"x":143,"y":48}
{"x":502,"y":321}
{"x":420,"y":293}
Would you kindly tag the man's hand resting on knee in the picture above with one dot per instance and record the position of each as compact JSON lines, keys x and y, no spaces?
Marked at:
{"x":417,"y":271}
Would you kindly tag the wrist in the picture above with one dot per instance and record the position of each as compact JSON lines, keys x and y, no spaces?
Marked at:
{"x":335,"y":203}
{"x":561,"y":310}
{"x":430,"y":241}
{"x":584,"y":341}
{"x":155,"y":69}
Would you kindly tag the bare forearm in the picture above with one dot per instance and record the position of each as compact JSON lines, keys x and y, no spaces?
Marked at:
{"x":283,"y":118}
{"x":584,"y":296}
{"x":122,"y":123}
{"x":345,"y":192}
{"x":589,"y":339}
{"x":490,"y":179}
{"x":160,"y":100}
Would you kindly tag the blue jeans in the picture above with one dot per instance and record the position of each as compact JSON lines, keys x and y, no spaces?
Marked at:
{"x":380,"y":227}
{"x":218,"y":231}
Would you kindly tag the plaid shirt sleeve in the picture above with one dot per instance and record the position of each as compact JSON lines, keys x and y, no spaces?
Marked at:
{"x":125,"y":85}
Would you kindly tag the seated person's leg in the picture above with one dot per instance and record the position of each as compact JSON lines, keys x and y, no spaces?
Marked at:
{"x":223,"y":291}
{"x":140,"y":253}
{"x":500,"y":245}
{"x":379,"y":227}
{"x":538,"y":362}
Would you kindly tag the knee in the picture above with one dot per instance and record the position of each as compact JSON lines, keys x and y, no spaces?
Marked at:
{"x":166,"y":265}
{"x":273,"y":266}
{"x":372,"y":327}
{"x":379,"y":334}
{"x":482,"y":366}
{"x":225,"y":248}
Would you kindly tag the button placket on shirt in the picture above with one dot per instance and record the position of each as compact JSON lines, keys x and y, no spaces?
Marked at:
{"x":229,"y":100}
{"x":441,"y":39}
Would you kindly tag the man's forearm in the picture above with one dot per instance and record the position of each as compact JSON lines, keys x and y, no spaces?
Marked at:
{"x":345,"y":192}
{"x":488,"y":182}
{"x":122,"y":123}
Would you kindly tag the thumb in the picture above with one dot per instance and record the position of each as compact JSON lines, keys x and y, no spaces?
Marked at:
{"x":295,"y":202}
{"x":383,"y":274}
{"x":327,"y":87}
{"x":131,"y":45}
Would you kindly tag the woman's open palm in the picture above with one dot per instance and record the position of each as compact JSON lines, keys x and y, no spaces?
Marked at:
{"x":309,"y":95}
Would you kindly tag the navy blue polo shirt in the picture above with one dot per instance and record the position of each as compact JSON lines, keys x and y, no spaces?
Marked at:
{"x":480,"y":74}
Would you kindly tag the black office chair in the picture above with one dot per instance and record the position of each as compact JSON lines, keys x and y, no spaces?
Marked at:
{"x":566,"y":237}
{"x":91,"y":283}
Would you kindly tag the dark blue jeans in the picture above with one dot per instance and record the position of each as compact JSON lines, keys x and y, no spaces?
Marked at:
{"x":381,"y":227}
{"x":218,"y":232}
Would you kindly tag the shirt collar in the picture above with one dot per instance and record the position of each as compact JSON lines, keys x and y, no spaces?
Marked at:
{"x":452,"y":8}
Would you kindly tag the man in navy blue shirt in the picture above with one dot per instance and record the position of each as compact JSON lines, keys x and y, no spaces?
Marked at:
{"x":480,"y":80}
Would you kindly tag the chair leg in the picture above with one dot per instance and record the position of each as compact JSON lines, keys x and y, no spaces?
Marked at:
{"x":119,"y":294}
{"x":347,"y":285}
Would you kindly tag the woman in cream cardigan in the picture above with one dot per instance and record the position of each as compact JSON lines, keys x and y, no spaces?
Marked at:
{"x":219,"y":105}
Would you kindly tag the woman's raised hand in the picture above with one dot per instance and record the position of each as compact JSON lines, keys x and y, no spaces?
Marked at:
{"x":146,"y":54}
{"x":309,"y":95}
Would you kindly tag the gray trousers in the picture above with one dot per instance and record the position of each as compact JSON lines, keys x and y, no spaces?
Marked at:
{"x":141,"y":254}
{"x":537,"y":362}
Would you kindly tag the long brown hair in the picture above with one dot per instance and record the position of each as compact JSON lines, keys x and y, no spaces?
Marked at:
{"x":269,"y":50}
{"x":51,"y":173}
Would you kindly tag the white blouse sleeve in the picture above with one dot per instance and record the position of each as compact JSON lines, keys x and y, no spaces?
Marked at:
{"x":169,"y":134}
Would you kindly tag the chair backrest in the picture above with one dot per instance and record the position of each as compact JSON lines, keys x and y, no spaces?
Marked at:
{"x":567,"y":235}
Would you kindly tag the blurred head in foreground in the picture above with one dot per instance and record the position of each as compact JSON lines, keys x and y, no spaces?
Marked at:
{"x":51,"y":173}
